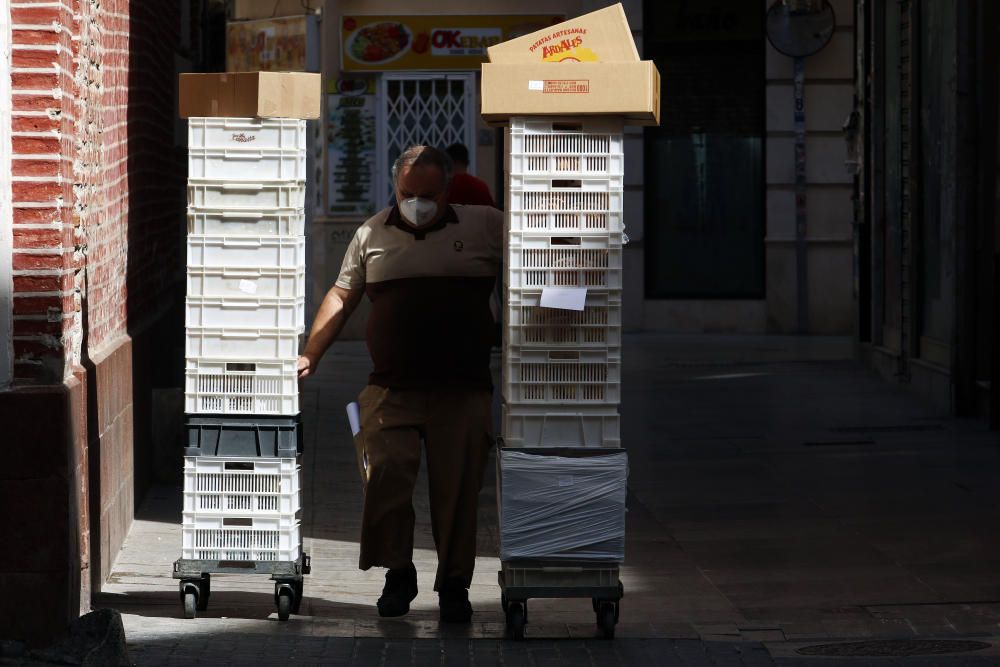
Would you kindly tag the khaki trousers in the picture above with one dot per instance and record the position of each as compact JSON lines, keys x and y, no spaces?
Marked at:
{"x":455,"y":427}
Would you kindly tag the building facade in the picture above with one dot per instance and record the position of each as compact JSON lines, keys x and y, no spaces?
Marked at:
{"x":91,"y":280}
{"x":927,"y":191}
{"x":709,"y":200}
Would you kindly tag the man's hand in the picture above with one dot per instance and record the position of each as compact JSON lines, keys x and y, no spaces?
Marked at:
{"x":305,"y":367}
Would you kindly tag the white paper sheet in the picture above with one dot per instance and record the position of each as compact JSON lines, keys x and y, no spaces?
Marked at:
{"x":354,"y":417}
{"x":564,"y":298}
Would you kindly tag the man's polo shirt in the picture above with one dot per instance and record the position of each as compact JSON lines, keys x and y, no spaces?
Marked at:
{"x":430,"y":325}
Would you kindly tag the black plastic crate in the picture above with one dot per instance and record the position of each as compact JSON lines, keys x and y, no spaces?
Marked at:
{"x":243,"y":436}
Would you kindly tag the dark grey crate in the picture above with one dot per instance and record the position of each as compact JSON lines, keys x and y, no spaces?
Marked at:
{"x":243,"y":436}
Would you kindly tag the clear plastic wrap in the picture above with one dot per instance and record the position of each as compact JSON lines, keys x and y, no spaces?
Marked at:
{"x":562,"y":507}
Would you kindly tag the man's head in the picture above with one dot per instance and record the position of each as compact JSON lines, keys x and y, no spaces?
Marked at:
{"x":459,"y":155}
{"x":421,"y":176}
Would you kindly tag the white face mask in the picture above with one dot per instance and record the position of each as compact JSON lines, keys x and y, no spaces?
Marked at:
{"x":418,"y":211}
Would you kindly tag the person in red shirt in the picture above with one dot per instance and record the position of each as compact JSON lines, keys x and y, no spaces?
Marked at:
{"x":466,"y":188}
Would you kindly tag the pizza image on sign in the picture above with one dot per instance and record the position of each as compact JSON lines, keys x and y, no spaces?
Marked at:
{"x":379,"y":43}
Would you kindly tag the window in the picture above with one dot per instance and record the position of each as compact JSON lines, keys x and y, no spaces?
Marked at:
{"x":704,"y":165}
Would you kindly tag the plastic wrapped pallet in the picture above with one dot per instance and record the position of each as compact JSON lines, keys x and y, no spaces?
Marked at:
{"x":558,"y":507}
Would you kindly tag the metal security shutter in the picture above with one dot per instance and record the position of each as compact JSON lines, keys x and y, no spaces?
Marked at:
{"x":907,"y":182}
{"x":423,"y":108}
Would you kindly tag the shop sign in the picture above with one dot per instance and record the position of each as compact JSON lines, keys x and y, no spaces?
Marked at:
{"x":267,"y":45}
{"x":350,"y":152}
{"x":428,"y":42}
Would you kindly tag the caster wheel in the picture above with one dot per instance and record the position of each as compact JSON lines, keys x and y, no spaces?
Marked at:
{"x":504,"y":604}
{"x":606,"y":618}
{"x":204,"y":591}
{"x":190,"y":605}
{"x":516,"y":619}
{"x":284,"y":605}
{"x":298,"y":597}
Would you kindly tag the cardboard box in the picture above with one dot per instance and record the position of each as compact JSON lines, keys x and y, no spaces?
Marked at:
{"x":251,"y":94}
{"x":602,"y":36}
{"x":629,"y":90}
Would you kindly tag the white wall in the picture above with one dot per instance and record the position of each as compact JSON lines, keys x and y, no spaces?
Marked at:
{"x":6,"y":212}
{"x":829,"y":90}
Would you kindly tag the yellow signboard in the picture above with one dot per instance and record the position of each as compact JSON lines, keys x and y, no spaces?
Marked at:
{"x":380,"y":43}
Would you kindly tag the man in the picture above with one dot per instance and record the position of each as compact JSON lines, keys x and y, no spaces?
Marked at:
{"x":466,"y":188}
{"x":429,"y":269}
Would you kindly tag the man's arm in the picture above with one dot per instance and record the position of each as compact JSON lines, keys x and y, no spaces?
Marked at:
{"x":333,"y":313}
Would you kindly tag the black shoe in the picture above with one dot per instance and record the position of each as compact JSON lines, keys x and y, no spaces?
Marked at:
{"x":453,"y":598}
{"x":399,"y":591}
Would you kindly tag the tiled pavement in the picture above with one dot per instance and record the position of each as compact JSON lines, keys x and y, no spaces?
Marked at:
{"x":780,"y":495}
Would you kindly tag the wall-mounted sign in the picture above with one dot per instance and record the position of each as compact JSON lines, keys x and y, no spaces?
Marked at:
{"x":350,"y":151}
{"x":289,"y":44}
{"x":381,"y":43}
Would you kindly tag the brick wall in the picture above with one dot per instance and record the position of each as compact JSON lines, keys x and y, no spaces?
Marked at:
{"x":98,"y":182}
{"x":46,"y":258}
{"x":97,"y":221}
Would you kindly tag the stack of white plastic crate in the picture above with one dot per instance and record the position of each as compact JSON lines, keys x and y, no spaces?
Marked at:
{"x":562,"y":368}
{"x":245,"y":311}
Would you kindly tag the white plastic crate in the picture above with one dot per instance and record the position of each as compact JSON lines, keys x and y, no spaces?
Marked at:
{"x":246,"y":311}
{"x":571,"y":426}
{"x":240,"y":538}
{"x":584,"y":221}
{"x":566,"y":146}
{"x":540,"y":261}
{"x":597,"y":325}
{"x":252,"y":252}
{"x":247,"y":164}
{"x":227,"y":282}
{"x":257,"y":486}
{"x":287,"y":133}
{"x":228,"y":387}
{"x":561,"y":376}
{"x":236,"y":344}
{"x":247,"y":222}
{"x":223,"y":194}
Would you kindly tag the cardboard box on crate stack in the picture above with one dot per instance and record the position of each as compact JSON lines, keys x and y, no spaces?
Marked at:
{"x":244,"y":314}
{"x":565,"y":94}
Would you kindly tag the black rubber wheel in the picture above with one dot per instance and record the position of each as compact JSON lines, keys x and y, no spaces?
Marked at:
{"x":606,"y":619}
{"x":284,"y":605}
{"x":516,"y":619}
{"x":596,"y":604}
{"x":190,"y":604}
{"x":504,"y":603}
{"x":297,"y":587}
{"x":204,"y":592}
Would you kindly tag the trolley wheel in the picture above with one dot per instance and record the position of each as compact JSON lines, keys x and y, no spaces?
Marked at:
{"x":516,"y":619}
{"x":190,"y":604}
{"x":504,"y":602}
{"x":204,"y":591}
{"x":284,"y":605}
{"x":607,"y":616}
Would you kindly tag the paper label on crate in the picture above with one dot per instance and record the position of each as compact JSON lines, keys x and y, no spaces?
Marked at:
{"x":248,"y":286}
{"x":565,"y":481}
{"x":536,"y":85}
{"x":564,"y":298}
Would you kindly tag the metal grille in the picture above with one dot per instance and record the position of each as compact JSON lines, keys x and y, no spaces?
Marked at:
{"x":423,"y":108}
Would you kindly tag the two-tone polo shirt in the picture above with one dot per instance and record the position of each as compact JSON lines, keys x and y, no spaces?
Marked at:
{"x":430,"y":325}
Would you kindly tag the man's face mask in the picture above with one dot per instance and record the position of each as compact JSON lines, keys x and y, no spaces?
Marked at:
{"x":418,"y":211}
